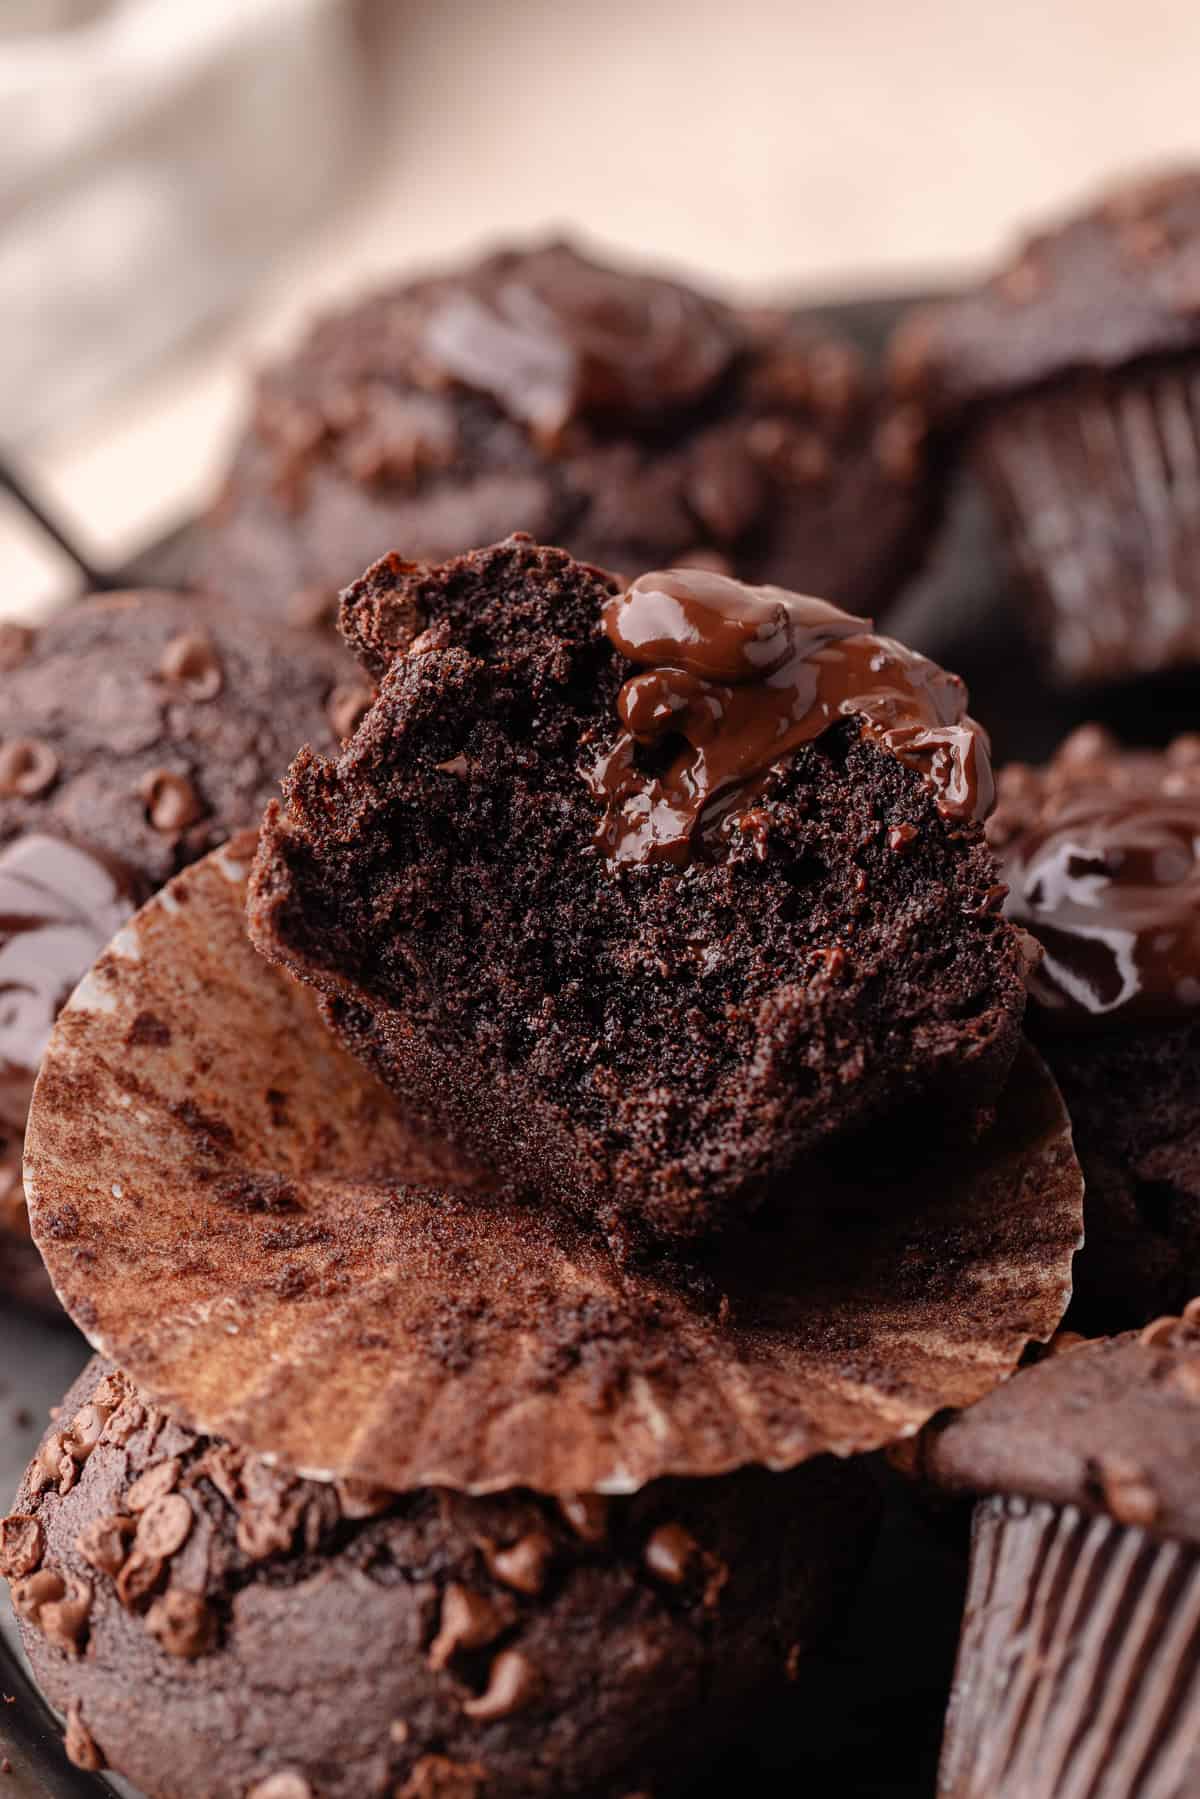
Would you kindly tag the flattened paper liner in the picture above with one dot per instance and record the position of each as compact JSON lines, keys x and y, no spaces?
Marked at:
{"x":213,"y":1183}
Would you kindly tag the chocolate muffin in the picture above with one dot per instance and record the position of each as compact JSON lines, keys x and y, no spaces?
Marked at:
{"x":138,"y":732}
{"x":636,"y":897}
{"x":627,"y":417}
{"x":1100,"y":853}
{"x":1079,"y":1661}
{"x":1072,"y":372}
{"x":340,"y":1642}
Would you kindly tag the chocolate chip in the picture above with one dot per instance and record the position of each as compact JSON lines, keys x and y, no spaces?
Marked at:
{"x":138,"y":1578}
{"x":1126,"y":1490}
{"x":16,"y":641}
{"x":284,"y":1785}
{"x":64,"y":1622}
{"x":522,"y":1564}
{"x":87,"y":1427}
{"x":587,"y":1514}
{"x":28,"y":768}
{"x":359,"y":1499}
{"x":182,"y":1624}
{"x":512,"y":1684}
{"x":105,"y":1542}
{"x":468,"y":1621}
{"x":1159,"y":1331}
{"x":724,"y":489}
{"x":190,"y":661}
{"x":22,"y":1544}
{"x":266,"y":1530}
{"x":162,"y":1478}
{"x":171,"y":801}
{"x":80,"y":1744}
{"x":437,"y":1777}
{"x":900,"y":836}
{"x":457,"y":766}
{"x":670,"y":1553}
{"x":348,"y":705}
{"x":164,"y":1526}
{"x":35,"y":1591}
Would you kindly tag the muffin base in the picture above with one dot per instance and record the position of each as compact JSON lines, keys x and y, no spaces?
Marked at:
{"x":1098,"y":479}
{"x":1078,"y":1671}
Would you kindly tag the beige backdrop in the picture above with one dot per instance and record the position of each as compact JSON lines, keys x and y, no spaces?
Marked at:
{"x":805,"y":146}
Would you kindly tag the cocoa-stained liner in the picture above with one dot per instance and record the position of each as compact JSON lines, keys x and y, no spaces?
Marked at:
{"x":215,"y":1186}
{"x":1079,"y":1667}
{"x":1100,"y":476}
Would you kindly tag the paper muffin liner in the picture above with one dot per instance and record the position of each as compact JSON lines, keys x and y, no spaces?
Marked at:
{"x":219,"y":1192}
{"x":1078,"y":1671}
{"x":1099,"y":478}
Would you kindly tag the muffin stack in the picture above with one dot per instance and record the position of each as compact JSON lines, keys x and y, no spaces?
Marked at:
{"x":512,"y":1192}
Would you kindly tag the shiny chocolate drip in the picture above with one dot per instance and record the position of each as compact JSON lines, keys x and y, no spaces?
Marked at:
{"x":745,"y":675}
{"x":1110,"y":887}
{"x":553,"y":337}
{"x":59,"y":906}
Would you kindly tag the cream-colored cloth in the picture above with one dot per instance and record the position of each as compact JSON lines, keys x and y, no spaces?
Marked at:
{"x":155,"y":156}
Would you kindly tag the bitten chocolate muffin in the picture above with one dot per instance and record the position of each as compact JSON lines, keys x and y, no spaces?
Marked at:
{"x":304,"y":1641}
{"x":1073,"y":373}
{"x":1079,"y":1661}
{"x":1100,"y":853}
{"x":638,"y":896}
{"x":138,"y":731}
{"x":627,"y":417}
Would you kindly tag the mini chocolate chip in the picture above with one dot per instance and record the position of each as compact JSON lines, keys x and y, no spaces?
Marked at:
{"x":457,"y":766}
{"x":28,"y":767}
{"x":87,"y":1427}
{"x":182,"y":1624}
{"x":164,"y":1526}
{"x":105,"y":1542}
{"x":171,"y":801}
{"x":437,"y":1777}
{"x":587,"y":1514}
{"x":725,"y":488}
{"x":79,"y":1743}
{"x":126,"y":1421}
{"x":900,"y":836}
{"x":468,"y":1621}
{"x":513,"y":1683}
{"x":63,"y":1622}
{"x":1127,"y":1491}
{"x":522,"y":1564}
{"x":359,"y":1499}
{"x":16,"y":641}
{"x":138,"y":1578}
{"x":670,"y":1552}
{"x":285,"y":1785}
{"x":265,"y":1530}
{"x":162,"y":1478}
{"x":1159,"y":1331}
{"x":348,"y":705}
{"x":22,"y":1544}
{"x":190,"y":661}
{"x":35,"y":1591}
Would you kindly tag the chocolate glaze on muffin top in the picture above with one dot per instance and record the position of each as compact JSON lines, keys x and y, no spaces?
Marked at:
{"x":1100,"y":850}
{"x":1111,"y":1425}
{"x":745,"y":675}
{"x":1115,"y":283}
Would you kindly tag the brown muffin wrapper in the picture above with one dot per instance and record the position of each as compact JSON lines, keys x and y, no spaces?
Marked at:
{"x":218,"y":1190}
{"x":1078,"y":1670}
{"x":1099,"y":479}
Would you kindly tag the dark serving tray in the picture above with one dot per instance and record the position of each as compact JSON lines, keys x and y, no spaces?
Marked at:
{"x":866,"y":1723}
